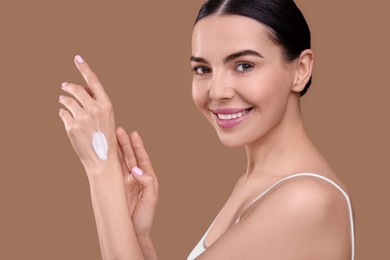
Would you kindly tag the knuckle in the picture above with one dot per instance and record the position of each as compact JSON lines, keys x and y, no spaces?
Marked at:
{"x":89,"y":75}
{"x":107,"y":106}
{"x":127,"y":156}
{"x":144,"y":158}
{"x":83,"y":117}
{"x":72,"y":129}
{"x":95,"y":110}
{"x":69,"y":101}
{"x":76,"y":89}
{"x":130,"y":160}
{"x":100,"y":108}
{"x":149,"y":180}
{"x":92,"y":76}
{"x":71,"y":87}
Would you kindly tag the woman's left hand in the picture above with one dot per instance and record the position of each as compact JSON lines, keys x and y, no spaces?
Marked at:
{"x":140,"y":180}
{"x":88,"y":111}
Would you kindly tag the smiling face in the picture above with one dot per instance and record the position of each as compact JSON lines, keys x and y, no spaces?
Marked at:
{"x":241,"y":81}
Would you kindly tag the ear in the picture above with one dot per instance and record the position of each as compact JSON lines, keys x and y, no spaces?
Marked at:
{"x":304,"y":68}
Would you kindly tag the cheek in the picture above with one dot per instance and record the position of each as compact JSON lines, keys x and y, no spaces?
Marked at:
{"x":267,"y":89}
{"x":199,"y":94}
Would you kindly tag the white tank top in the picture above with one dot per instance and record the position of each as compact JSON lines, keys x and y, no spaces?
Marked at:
{"x":200,"y":247}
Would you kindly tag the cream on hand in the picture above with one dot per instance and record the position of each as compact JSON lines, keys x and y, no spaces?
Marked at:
{"x":99,"y":144}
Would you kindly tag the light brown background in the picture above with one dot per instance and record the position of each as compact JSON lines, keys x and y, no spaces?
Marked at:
{"x":140,"y":50}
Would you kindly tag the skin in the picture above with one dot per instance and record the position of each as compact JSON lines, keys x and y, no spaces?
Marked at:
{"x":303,"y":218}
{"x":129,"y":199}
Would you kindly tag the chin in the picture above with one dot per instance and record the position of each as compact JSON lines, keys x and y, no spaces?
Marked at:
{"x":232,"y":141}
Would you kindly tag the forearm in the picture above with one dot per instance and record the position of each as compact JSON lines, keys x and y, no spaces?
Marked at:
{"x":116,"y":233}
{"x":147,"y":248}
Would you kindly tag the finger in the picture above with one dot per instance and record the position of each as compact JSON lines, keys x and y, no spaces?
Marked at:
{"x":141,"y":155}
{"x":80,"y":93}
{"x":90,"y":77}
{"x":125,"y":169}
{"x":66,"y":117}
{"x":126,"y":147}
{"x":71,"y":104}
{"x":147,"y":183}
{"x":143,"y":160}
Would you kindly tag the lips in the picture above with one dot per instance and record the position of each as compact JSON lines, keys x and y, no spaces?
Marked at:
{"x":230,"y":117}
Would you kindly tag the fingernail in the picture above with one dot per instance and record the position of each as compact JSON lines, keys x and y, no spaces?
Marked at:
{"x":64,"y":84}
{"x":137,"y":171}
{"x":79,"y":59}
{"x":61,"y":97}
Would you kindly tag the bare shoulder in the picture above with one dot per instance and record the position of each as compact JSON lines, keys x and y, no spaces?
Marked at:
{"x":304,"y":196}
{"x":307,"y":195}
{"x":301,"y":218}
{"x":308,"y":210}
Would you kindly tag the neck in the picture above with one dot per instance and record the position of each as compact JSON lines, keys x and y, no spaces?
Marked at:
{"x":273,"y":153}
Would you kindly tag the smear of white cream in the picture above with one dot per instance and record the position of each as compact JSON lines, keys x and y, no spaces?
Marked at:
{"x":99,"y":144}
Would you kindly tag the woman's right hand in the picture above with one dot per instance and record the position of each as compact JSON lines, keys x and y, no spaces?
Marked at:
{"x":140,"y":182}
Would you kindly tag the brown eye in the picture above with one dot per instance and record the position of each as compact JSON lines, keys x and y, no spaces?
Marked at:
{"x":200,"y":70}
{"x":244,"y":67}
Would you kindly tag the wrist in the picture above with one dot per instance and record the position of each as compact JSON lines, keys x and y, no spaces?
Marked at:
{"x":100,"y":168}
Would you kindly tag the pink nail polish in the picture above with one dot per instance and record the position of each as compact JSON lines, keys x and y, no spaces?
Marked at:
{"x":137,"y":171}
{"x":79,"y":59}
{"x":64,"y":84}
{"x":61,"y":97}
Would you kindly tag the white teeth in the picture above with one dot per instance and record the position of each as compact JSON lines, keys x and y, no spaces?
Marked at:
{"x":232,"y":116}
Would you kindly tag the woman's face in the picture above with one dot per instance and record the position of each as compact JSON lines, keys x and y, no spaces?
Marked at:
{"x":241,"y":82}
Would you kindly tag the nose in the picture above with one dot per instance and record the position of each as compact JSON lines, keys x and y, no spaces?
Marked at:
{"x":221,"y":87}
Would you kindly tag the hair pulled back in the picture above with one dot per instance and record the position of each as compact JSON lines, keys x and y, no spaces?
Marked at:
{"x":286,"y":22}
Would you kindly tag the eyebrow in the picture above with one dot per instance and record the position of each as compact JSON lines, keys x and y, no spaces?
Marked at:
{"x":231,"y":57}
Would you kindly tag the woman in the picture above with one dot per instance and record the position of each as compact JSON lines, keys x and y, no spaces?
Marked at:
{"x":252,"y":61}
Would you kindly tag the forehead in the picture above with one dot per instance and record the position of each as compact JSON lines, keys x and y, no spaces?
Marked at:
{"x":224,"y":34}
